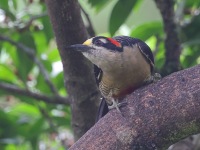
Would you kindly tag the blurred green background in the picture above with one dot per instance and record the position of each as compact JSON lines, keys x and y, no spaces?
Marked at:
{"x":25,"y":31}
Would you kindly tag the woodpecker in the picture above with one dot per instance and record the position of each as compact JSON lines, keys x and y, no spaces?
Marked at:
{"x":122,"y":64}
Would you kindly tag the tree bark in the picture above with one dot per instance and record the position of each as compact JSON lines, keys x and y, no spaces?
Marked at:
{"x":156,"y":116}
{"x":172,"y":43}
{"x":69,"y":29}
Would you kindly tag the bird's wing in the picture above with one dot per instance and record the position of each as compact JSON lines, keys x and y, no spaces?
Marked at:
{"x":103,"y":107}
{"x":146,"y":52}
{"x":124,"y":41}
{"x":98,"y":74}
{"x":143,"y":47}
{"x":103,"y":110}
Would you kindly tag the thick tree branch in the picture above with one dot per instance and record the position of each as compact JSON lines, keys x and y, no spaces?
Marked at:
{"x":172,"y":43}
{"x":12,"y":89}
{"x":155,"y":116}
{"x":32,"y":55}
{"x":69,"y":29}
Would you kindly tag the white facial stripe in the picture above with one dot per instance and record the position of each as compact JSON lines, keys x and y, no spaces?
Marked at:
{"x":103,"y":40}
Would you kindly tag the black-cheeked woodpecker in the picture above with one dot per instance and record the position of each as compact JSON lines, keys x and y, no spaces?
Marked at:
{"x":122,"y":65}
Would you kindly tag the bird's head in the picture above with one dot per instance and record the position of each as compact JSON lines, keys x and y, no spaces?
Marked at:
{"x":101,"y":51}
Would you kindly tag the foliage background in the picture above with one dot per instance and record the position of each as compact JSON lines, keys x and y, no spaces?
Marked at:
{"x":30,"y":62}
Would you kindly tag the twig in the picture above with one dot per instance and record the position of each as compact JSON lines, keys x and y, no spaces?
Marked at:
{"x":48,"y":118}
{"x":90,"y":27}
{"x":32,"y":55}
{"x":24,"y":92}
{"x":28,"y":23}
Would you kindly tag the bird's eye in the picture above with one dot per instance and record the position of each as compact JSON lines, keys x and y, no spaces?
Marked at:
{"x":98,"y":43}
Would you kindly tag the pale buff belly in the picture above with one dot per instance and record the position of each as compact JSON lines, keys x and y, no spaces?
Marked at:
{"x":128,"y":71}
{"x":124,"y":83}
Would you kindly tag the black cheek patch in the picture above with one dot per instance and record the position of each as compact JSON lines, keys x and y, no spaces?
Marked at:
{"x":113,"y":47}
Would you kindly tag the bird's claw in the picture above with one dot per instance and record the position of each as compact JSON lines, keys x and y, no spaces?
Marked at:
{"x":153,"y":78}
{"x":116,"y":105}
{"x":156,"y":77}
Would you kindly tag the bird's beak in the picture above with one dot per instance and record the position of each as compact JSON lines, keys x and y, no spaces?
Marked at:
{"x":80,"y":47}
{"x":85,"y":47}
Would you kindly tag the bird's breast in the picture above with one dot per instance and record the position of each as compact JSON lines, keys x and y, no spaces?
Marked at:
{"x":127,"y":74}
{"x":117,"y":88}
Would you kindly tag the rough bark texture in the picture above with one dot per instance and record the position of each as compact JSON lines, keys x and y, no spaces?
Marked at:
{"x":69,"y":29}
{"x":155,"y":116}
{"x":172,"y":43}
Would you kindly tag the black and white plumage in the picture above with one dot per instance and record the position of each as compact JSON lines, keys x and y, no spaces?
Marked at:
{"x":122,"y":64}
{"x":144,"y":48}
{"x":103,"y":107}
{"x":124,"y":41}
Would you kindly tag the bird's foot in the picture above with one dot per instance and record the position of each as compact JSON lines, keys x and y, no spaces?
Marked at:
{"x":116,"y":105}
{"x":153,"y":78}
{"x":156,"y":77}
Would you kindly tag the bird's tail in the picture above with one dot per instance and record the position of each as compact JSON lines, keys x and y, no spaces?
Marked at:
{"x":103,"y":110}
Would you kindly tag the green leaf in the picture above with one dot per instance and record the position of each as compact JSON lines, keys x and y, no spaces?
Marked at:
{"x":1,"y":48}
{"x":53,"y":55}
{"x":98,"y":4}
{"x":6,"y":74}
{"x":40,"y":42}
{"x":25,"y":62}
{"x":25,"y":99}
{"x":120,"y":13}
{"x":42,"y":85}
{"x":191,"y":30}
{"x":14,"y":2}
{"x":37,"y":128}
{"x":5,"y":7}
{"x":58,"y":81}
{"x":25,"y":109}
{"x":8,"y":125}
{"x":189,"y":56}
{"x":4,"y":4}
{"x":147,"y":30}
{"x":192,"y":3}
{"x":47,"y":28}
{"x":62,"y":121}
{"x":27,"y":114}
{"x":47,"y":64}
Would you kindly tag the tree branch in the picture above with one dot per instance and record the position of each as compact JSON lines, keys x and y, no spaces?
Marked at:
{"x":29,"y":23}
{"x":155,"y":116}
{"x":33,"y":56}
{"x":69,"y":29}
{"x":172,"y":43}
{"x":12,"y":89}
{"x":90,"y":27}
